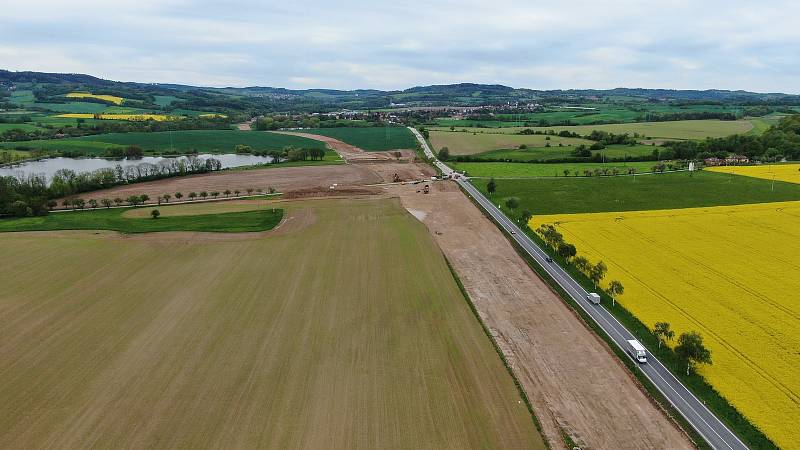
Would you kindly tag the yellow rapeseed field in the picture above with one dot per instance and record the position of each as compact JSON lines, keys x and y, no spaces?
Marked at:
{"x":109,"y":98}
{"x":779,"y":172}
{"x":156,"y":117}
{"x":731,"y":273}
{"x":213,"y":116}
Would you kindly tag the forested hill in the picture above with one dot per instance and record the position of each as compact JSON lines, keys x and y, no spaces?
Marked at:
{"x":282,"y":99}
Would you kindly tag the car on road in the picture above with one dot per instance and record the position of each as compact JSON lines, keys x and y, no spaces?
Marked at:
{"x":548,"y":259}
{"x":513,"y":232}
{"x":593,"y":297}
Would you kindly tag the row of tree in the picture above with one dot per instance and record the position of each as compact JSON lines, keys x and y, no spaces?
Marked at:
{"x":690,"y":348}
{"x":31,"y":195}
{"x":66,"y":182}
{"x":136,"y":200}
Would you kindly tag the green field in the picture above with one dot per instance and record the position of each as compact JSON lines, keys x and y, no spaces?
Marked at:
{"x":311,"y":337}
{"x":550,"y":153}
{"x":643,"y":192}
{"x":467,"y":143}
{"x":525,"y":170}
{"x":679,"y":130}
{"x":589,"y":114}
{"x":114,"y":220}
{"x":216,"y":141}
{"x":164,"y":100}
{"x":370,"y":139}
{"x":20,"y":126}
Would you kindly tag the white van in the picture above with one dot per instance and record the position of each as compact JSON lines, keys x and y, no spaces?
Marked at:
{"x":593,"y":297}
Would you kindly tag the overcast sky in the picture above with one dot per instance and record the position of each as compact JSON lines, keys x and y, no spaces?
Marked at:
{"x":347,"y":44}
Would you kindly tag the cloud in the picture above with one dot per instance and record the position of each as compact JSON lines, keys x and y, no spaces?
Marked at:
{"x":357,"y":44}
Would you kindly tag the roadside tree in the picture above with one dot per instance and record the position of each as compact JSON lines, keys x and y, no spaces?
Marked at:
{"x":615,"y":288}
{"x":663,"y":332}
{"x":691,"y":350}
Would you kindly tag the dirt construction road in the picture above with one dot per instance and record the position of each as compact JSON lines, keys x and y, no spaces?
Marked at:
{"x":284,"y":179}
{"x":575,"y":383}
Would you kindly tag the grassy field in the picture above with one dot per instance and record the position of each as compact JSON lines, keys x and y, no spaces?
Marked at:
{"x":643,"y":192}
{"x":550,"y":153}
{"x":311,"y":338}
{"x":726,"y":272}
{"x":586,"y":115}
{"x":134,"y":117}
{"x":370,"y":138}
{"x":682,"y":129}
{"x":115,"y":220}
{"x":164,"y":100}
{"x":465,"y":143}
{"x":200,"y":140}
{"x":511,"y":170}
{"x":20,"y":126}
{"x":781,"y":172}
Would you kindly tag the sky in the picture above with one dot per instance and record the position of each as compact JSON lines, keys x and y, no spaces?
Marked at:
{"x":346,"y":44}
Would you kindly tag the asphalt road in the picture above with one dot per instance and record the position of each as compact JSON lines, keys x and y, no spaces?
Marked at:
{"x":693,"y":410}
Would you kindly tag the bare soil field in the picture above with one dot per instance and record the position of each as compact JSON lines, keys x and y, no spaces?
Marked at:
{"x":574,"y":382}
{"x":284,"y":179}
{"x":351,"y":153}
{"x":312,"y":337}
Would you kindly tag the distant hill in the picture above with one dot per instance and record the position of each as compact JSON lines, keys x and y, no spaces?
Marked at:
{"x":462,"y":94}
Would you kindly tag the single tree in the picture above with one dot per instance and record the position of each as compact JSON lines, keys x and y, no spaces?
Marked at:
{"x":66,"y":203}
{"x":133,"y":200}
{"x":166,"y":197}
{"x":106,"y":202}
{"x":236,"y":193}
{"x":491,"y":186}
{"x":155,"y":213}
{"x":92,"y":203}
{"x":51,"y":204}
{"x":690,"y":349}
{"x":566,"y":250}
{"x":271,"y":190}
{"x":597,"y":272}
{"x":78,"y":203}
{"x":527,"y":215}
{"x":144,"y":198}
{"x":178,"y":195}
{"x":444,"y":154}
{"x":250,"y":191}
{"x":118,"y":201}
{"x":204,"y":194}
{"x":615,"y":288}
{"x":192,"y":195}
{"x":215,"y":194}
{"x":512,"y":203}
{"x":582,"y":263}
{"x":227,"y":192}
{"x":663,"y":332}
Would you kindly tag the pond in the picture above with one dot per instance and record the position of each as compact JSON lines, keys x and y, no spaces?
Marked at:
{"x":48,"y":167}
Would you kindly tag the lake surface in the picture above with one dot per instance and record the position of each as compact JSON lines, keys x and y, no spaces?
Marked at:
{"x":49,"y":166}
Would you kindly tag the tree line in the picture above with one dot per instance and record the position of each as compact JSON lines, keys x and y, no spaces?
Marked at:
{"x":690,"y":347}
{"x":782,"y":140}
{"x":31,"y":195}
